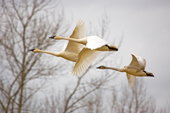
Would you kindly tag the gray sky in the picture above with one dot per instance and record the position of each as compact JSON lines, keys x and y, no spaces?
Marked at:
{"x":146,"y":28}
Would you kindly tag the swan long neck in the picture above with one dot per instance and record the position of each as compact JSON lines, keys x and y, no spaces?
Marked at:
{"x":82,"y":40}
{"x":116,"y":69}
{"x":48,"y":52}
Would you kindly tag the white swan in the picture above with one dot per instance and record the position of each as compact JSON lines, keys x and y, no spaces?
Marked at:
{"x":94,"y":46}
{"x":135,"y":68}
{"x":91,"y":42}
{"x":72,"y":50}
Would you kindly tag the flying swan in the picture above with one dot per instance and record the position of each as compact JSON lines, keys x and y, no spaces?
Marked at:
{"x":72,"y":50}
{"x":135,"y":68}
{"x":93,"y":47}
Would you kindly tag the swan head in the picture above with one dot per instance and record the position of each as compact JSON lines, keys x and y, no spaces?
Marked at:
{"x":55,"y":37}
{"x":113,"y":48}
{"x":101,"y":67}
{"x":34,"y":50}
{"x":31,"y":50}
{"x":149,"y":74}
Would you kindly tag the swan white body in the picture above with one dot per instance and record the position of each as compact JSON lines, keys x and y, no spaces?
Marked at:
{"x":135,"y":68}
{"x":72,"y":50}
{"x":91,"y":42}
{"x":93,"y":47}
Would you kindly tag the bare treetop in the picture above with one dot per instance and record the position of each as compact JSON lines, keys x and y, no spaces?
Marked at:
{"x":26,"y":24}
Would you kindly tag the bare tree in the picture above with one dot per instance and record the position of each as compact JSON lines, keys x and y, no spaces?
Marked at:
{"x":136,"y":100}
{"x":168,"y":105}
{"x":26,"y":24}
{"x":166,"y":108}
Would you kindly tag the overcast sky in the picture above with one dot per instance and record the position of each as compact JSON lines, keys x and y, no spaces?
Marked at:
{"x":146,"y":28}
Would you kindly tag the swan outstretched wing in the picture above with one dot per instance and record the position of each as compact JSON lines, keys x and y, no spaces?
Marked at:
{"x":138,"y":61}
{"x":79,"y":32}
{"x":85,"y":58}
{"x":94,"y":42}
{"x":134,"y":61}
{"x":142,"y":62}
{"x":131,"y":80}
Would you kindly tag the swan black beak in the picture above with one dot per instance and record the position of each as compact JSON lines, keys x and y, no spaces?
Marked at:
{"x":116,"y":49}
{"x":113,"y":48}
{"x":31,"y":49}
{"x":98,"y":67}
{"x":52,"y":37}
{"x":151,"y":75}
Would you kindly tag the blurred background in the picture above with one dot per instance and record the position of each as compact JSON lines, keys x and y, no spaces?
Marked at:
{"x":41,"y":83}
